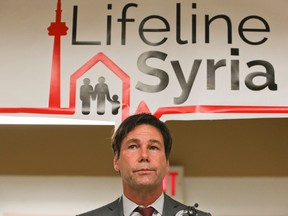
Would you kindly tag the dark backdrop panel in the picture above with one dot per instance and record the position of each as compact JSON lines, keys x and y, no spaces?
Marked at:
{"x":251,"y":147}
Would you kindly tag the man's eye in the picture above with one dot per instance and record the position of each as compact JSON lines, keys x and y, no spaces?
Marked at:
{"x":132,"y":147}
{"x":154,"y":148}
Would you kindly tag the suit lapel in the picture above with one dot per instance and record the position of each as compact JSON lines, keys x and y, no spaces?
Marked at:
{"x":171,"y":207}
{"x":116,"y":208}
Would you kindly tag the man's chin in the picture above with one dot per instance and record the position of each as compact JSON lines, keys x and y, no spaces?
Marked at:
{"x":147,"y":184}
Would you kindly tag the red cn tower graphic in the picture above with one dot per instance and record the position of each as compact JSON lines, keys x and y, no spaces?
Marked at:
{"x":56,"y":29}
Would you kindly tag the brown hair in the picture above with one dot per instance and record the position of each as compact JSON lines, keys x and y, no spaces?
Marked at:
{"x":131,"y":122}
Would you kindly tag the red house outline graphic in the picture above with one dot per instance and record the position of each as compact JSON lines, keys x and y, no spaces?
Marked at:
{"x":101,"y":57}
{"x":58,"y":29}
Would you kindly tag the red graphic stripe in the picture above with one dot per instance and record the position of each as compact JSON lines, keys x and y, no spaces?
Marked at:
{"x":221,"y":109}
{"x":50,"y":110}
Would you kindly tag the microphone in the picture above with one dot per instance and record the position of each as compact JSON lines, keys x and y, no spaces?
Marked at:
{"x":189,"y":211}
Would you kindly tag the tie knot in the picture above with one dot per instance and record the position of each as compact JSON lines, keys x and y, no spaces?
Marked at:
{"x":145,"y":211}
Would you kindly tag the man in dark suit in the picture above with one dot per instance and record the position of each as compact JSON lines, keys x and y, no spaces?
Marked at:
{"x":142,"y":146}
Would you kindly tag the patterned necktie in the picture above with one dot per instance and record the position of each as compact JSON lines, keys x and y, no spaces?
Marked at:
{"x":145,"y":211}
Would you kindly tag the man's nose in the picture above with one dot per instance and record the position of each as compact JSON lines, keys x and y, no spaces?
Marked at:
{"x":144,"y":154}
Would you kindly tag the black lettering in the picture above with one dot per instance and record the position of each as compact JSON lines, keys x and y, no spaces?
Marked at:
{"x":74,"y":31}
{"x":162,"y":75}
{"x":142,"y":30}
{"x":211,"y":69}
{"x":124,"y":20}
{"x":209,"y":21}
{"x":235,"y":70}
{"x":178,"y":25}
{"x":269,"y":75}
{"x":109,"y":26}
{"x":185,"y":86}
{"x":241,"y":30}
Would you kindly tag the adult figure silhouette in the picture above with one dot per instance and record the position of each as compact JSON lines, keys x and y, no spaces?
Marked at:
{"x":101,"y":93}
{"x":86,"y":92}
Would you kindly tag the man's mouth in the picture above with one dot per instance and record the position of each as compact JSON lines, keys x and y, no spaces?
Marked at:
{"x":143,"y":170}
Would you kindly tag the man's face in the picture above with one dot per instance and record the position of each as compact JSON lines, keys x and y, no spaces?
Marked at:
{"x":142,"y":162}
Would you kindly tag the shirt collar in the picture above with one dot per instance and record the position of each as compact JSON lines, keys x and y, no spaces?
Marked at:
{"x":129,"y":206}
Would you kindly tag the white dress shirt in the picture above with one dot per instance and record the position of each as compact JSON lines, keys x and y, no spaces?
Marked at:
{"x":129,"y":206}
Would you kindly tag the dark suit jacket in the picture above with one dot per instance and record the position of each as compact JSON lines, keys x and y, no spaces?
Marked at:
{"x":171,"y":207}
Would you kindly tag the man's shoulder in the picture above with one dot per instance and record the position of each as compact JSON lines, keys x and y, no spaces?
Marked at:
{"x":171,"y":204}
{"x":172,"y":207}
{"x":105,"y":210}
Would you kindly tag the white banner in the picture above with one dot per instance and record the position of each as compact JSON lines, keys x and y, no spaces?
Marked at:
{"x":103,"y":61}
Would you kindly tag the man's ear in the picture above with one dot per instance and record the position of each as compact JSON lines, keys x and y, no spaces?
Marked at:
{"x":116,"y":163}
{"x":167,"y":166}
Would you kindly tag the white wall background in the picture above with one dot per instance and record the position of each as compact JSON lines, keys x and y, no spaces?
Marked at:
{"x":68,"y":196}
